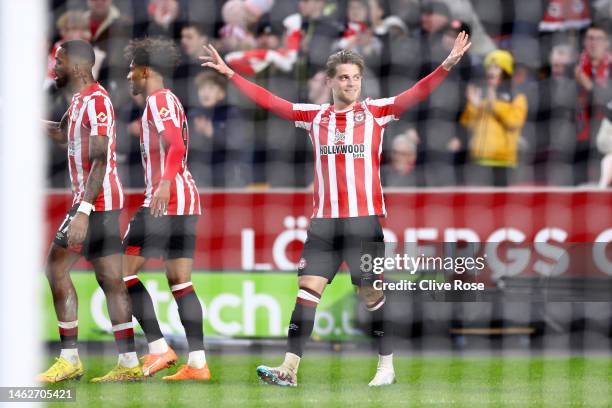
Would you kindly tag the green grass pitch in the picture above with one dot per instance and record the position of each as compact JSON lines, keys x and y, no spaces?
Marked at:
{"x":341,"y":381}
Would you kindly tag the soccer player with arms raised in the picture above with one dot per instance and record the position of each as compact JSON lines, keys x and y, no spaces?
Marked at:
{"x":165,"y":224}
{"x":91,"y":227}
{"x":348,"y":200}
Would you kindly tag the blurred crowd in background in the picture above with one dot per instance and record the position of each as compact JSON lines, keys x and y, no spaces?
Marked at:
{"x":529,"y":106}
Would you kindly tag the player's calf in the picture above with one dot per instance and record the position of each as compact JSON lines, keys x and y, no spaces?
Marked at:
{"x":109,"y":277}
{"x":143,"y":309}
{"x":300,"y":329}
{"x":160,"y":355}
{"x":190,"y":312}
{"x":381,"y":331}
{"x":302,"y":320}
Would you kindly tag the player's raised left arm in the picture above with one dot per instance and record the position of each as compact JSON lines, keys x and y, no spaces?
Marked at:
{"x":98,"y":148}
{"x":462,"y":45}
{"x":422,"y":89}
{"x":261,"y":96}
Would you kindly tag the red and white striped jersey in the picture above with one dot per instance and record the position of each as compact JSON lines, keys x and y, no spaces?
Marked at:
{"x":164,"y":114}
{"x":91,"y":114}
{"x":347,"y":151}
{"x":347,"y":144}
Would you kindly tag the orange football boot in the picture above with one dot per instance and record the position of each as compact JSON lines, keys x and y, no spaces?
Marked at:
{"x":189,"y":373}
{"x":155,"y":362}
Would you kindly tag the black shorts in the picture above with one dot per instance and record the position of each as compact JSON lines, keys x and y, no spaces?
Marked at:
{"x":103,"y":234}
{"x":331,"y":241}
{"x":168,"y":237}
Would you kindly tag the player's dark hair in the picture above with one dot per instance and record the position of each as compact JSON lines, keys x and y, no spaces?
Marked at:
{"x":81,"y":50}
{"x":160,"y":54}
{"x":343,"y":57}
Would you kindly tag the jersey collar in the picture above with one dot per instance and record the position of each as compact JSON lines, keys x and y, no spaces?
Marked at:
{"x":158,"y":91}
{"x":357,"y":103}
{"x":90,"y":89}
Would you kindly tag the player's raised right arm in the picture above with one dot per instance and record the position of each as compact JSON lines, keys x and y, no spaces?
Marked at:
{"x":261,"y":96}
{"x":57,"y":131}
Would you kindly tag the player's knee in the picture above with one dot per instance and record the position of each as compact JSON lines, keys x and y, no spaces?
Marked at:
{"x":110,"y":284}
{"x":56,"y":272}
{"x":369,"y":296}
{"x":178,"y":271}
{"x":176,"y":280}
{"x":177,"y":274}
{"x":314,"y":283}
{"x":130,"y":271}
{"x":102,"y":281}
{"x":50,"y":273}
{"x":131,"y":265}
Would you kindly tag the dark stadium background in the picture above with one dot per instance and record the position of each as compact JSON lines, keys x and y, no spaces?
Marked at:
{"x":255,"y":172}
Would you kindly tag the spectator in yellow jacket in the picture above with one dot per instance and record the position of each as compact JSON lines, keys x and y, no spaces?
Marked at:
{"x":495,"y":115}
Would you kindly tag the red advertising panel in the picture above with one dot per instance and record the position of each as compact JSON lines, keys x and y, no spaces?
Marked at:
{"x":266,"y":230}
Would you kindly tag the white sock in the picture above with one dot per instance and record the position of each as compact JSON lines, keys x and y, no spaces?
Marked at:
{"x":385,"y":361}
{"x":128,"y":360}
{"x":197,"y":359}
{"x":292,"y":361}
{"x":158,"y":346}
{"x":71,"y":355}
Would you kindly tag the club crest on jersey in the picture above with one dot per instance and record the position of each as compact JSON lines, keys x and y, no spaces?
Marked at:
{"x":339,"y":137}
{"x":101,"y":117}
{"x":325,"y":119}
{"x":359,"y":117}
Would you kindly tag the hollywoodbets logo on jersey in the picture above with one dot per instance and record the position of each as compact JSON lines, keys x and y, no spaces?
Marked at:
{"x":357,"y":150}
